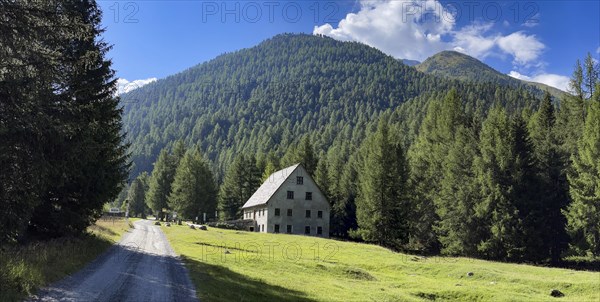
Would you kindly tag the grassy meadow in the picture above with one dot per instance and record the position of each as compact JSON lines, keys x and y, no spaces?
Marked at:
{"x":227,"y":265}
{"x":24,"y":268}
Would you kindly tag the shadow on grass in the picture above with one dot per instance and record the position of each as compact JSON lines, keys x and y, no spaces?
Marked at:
{"x":104,"y":229}
{"x":217,"y":283}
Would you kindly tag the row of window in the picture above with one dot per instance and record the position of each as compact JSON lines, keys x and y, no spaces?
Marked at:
{"x":290,"y":213}
{"x":261,"y":212}
{"x":307,"y":196}
{"x":307,"y":229}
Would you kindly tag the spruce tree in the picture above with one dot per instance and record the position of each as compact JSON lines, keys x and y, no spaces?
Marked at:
{"x":500,"y":170}
{"x":160,"y":184}
{"x":426,"y":157}
{"x":583,"y":214}
{"x":458,"y":228}
{"x":305,"y":154}
{"x":590,"y":75}
{"x":194,"y":191}
{"x":85,"y":153}
{"x":241,"y":181}
{"x":551,"y":195}
{"x":137,"y":198}
{"x":382,"y":203}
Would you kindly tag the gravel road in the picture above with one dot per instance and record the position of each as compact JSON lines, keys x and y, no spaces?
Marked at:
{"x":141,"y":267}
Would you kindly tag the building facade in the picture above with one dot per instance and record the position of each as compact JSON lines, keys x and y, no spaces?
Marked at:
{"x":289,"y":202}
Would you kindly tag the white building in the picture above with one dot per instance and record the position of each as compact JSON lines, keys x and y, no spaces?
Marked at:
{"x":289,"y":201}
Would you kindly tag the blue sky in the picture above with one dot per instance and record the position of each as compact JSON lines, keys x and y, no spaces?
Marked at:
{"x":538,"y":40}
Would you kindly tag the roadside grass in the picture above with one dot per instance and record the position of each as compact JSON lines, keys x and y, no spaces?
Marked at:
{"x":25,"y":268}
{"x":228,"y":265}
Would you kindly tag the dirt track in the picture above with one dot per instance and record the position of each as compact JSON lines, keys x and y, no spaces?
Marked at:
{"x":142,"y":267}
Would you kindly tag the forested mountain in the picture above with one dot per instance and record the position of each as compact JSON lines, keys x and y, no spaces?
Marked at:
{"x":409,"y":160}
{"x":456,"y":65}
{"x":266,"y":98}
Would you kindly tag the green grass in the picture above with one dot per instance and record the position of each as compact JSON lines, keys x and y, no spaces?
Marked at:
{"x":25,"y":268}
{"x":273,"y":267}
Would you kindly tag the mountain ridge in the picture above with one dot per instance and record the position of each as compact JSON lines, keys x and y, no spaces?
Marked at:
{"x":453,"y":64}
{"x":263,"y":99}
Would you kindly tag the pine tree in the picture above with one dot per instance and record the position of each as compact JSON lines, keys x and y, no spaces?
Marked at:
{"x":241,"y":181}
{"x":583,"y":214}
{"x":305,"y":154}
{"x":137,"y":198}
{"x":160,"y":184}
{"x":382,"y":203}
{"x":590,"y":75}
{"x":322,"y":176}
{"x":426,"y":156}
{"x":178,"y":151}
{"x":551,"y":196}
{"x":194,"y":191}
{"x":269,"y":169}
{"x":500,"y":170}
{"x":87,"y":158}
{"x":577,"y":84}
{"x":458,"y":228}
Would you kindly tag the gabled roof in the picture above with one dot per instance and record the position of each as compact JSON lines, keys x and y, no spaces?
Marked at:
{"x":269,"y":187}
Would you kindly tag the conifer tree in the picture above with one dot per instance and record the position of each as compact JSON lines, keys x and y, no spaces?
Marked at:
{"x":382,"y":203}
{"x":241,"y":181}
{"x":426,"y":156}
{"x":501,"y":169}
{"x":551,"y":195}
{"x":194,"y":191}
{"x":583,"y":214}
{"x":160,"y":184}
{"x":305,"y":154}
{"x":136,"y":197}
{"x":459,"y":229}
{"x":269,"y":169}
{"x":85,"y":154}
{"x":590,"y":75}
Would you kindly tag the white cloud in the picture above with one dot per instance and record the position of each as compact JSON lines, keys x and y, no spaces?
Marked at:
{"x":124,"y":86}
{"x":415,"y":29}
{"x":522,"y":47}
{"x":557,"y":81}
{"x":403,"y":29}
{"x":472,"y":40}
{"x":598,"y":50}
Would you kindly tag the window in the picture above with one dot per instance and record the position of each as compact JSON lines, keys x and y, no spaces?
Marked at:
{"x":263,"y":212}
{"x":307,"y":213}
{"x":289,"y":212}
{"x":289,"y":229}
{"x":319,"y":230}
{"x":277,"y":212}
{"x":290,"y":194}
{"x":308,"y":196}
{"x":299,"y":180}
{"x":262,"y":227}
{"x":320,"y":214}
{"x":276,"y":228}
{"x":307,"y":229}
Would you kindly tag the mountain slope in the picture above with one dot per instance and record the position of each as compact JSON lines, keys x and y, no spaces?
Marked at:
{"x":456,"y":65}
{"x":266,"y":98}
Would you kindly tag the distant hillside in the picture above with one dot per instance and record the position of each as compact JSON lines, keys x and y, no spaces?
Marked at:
{"x":266,"y":98}
{"x":410,"y":62}
{"x":456,"y":65}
